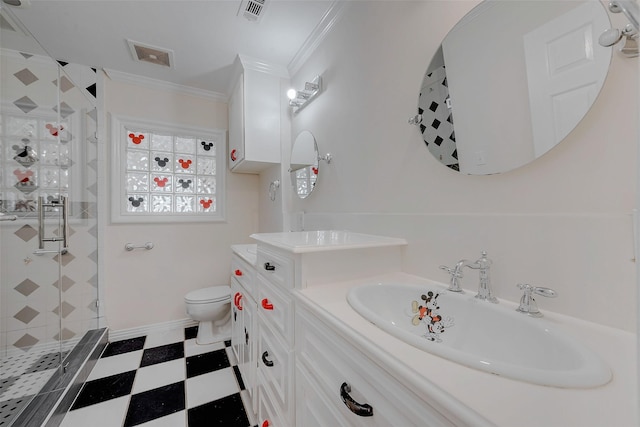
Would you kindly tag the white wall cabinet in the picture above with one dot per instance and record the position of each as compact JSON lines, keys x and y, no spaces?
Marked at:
{"x":254,"y":119}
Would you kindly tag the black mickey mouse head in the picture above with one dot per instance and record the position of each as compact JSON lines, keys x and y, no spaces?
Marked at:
{"x":185,"y":184}
{"x":20,"y":151}
{"x":161,"y":162}
{"x":206,"y":145}
{"x":135,"y":203}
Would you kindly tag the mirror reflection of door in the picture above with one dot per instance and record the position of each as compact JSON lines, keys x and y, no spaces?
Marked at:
{"x":563,"y":75}
{"x":492,"y":82}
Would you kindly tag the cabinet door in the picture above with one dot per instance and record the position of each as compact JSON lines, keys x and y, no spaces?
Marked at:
{"x":313,"y":410}
{"x":237,"y":320}
{"x":236,"y":124}
{"x":248,"y":366}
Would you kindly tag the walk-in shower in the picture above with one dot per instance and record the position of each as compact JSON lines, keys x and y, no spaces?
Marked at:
{"x":48,"y":222}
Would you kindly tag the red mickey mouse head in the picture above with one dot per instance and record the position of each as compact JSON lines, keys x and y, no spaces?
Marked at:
{"x":54,"y":130}
{"x":161,"y":182}
{"x":136,"y":139}
{"x":206,"y":203}
{"x":185,"y":163}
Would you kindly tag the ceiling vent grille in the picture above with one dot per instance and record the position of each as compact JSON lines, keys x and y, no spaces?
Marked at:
{"x":253,"y":10}
{"x":151,"y":54}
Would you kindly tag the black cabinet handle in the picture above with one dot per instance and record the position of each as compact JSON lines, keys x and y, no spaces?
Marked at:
{"x":267,"y":362}
{"x":269,"y":267}
{"x":363,"y":410}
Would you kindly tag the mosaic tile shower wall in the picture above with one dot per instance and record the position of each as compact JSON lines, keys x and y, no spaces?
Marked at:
{"x":47,"y":298}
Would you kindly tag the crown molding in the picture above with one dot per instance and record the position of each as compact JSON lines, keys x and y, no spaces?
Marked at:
{"x":319,"y":33}
{"x":250,"y":63}
{"x":119,"y":76}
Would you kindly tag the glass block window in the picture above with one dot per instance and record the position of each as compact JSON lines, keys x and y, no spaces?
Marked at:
{"x":306,"y":180}
{"x":36,"y":159}
{"x":167,"y":173}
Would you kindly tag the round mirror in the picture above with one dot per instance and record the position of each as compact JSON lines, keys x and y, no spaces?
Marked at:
{"x":304,"y":164}
{"x":510,"y":81}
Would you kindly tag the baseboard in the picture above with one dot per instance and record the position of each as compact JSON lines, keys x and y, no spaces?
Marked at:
{"x":125,"y":334}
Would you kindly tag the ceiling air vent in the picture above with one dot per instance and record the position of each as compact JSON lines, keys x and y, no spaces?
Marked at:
{"x":253,"y":10}
{"x":151,"y":54}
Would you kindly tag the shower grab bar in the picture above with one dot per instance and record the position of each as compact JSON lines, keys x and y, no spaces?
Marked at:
{"x":5,"y":217}
{"x":62,"y":202}
{"x":130,"y":246}
{"x":39,"y":252}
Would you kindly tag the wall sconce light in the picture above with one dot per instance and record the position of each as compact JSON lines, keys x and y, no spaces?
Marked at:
{"x":298,"y":99}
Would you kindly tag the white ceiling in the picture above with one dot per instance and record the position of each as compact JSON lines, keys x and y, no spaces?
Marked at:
{"x":204,"y":35}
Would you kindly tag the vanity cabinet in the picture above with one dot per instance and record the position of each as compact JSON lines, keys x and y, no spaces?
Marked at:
{"x":254,"y":120}
{"x":275,"y":280}
{"x":344,"y":387}
{"x":244,"y":325}
{"x":287,"y":262}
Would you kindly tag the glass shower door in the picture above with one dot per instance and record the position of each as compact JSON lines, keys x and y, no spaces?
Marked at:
{"x":48,"y":214}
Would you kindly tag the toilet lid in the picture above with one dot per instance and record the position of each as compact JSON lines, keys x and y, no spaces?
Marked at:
{"x":210,"y":294}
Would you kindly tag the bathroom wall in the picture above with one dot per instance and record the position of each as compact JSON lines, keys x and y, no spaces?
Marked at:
{"x":563,"y":221}
{"x":147,"y":287}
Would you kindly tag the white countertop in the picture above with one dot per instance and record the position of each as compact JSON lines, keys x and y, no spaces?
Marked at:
{"x":248,"y":252}
{"x":324,"y":240}
{"x":470,"y":393}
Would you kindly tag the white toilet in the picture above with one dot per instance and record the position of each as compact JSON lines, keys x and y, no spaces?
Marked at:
{"x":212,"y":308}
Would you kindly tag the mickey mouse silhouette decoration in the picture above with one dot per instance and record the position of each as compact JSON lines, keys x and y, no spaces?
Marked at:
{"x":136,"y":202}
{"x":161,"y":182}
{"x":162,"y":162}
{"x":206,"y":204}
{"x":184,"y":183}
{"x":206,"y":145}
{"x":185,"y":163}
{"x":54,"y":130}
{"x":136,"y":139}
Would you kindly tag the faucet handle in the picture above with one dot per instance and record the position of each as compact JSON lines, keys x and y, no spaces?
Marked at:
{"x":455,"y":271}
{"x":528,"y":303}
{"x":538,"y":290}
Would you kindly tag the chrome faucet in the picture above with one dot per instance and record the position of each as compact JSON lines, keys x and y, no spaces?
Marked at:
{"x":483,"y":265}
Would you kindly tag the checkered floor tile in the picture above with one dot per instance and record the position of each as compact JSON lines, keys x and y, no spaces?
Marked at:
{"x":163,"y":379}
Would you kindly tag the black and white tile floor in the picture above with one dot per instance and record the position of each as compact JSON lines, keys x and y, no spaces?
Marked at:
{"x":163,"y":379}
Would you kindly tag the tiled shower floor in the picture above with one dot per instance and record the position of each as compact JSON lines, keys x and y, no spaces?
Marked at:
{"x":22,"y":376}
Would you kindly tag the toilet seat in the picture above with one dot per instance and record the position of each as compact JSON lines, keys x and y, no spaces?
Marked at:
{"x":209,"y":295}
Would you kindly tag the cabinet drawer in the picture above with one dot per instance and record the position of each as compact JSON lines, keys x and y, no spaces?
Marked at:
{"x":244,"y":273}
{"x":276,"y":308}
{"x":275,"y":363}
{"x":276,"y":268}
{"x":268,"y":415}
{"x":332,"y":362}
{"x":313,"y":410}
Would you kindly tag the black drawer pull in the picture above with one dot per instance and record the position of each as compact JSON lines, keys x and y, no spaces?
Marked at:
{"x":363,"y":410}
{"x":269,"y":267}
{"x":267,"y":362}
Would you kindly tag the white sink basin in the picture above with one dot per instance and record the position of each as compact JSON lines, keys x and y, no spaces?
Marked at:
{"x":480,"y":335}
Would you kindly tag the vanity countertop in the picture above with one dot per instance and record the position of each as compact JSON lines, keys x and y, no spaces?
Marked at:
{"x":324,"y":240}
{"x":247,"y":252}
{"x":482,"y":399}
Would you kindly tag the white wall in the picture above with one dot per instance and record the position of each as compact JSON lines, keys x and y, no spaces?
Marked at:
{"x":563,"y":221}
{"x":147,"y":287}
